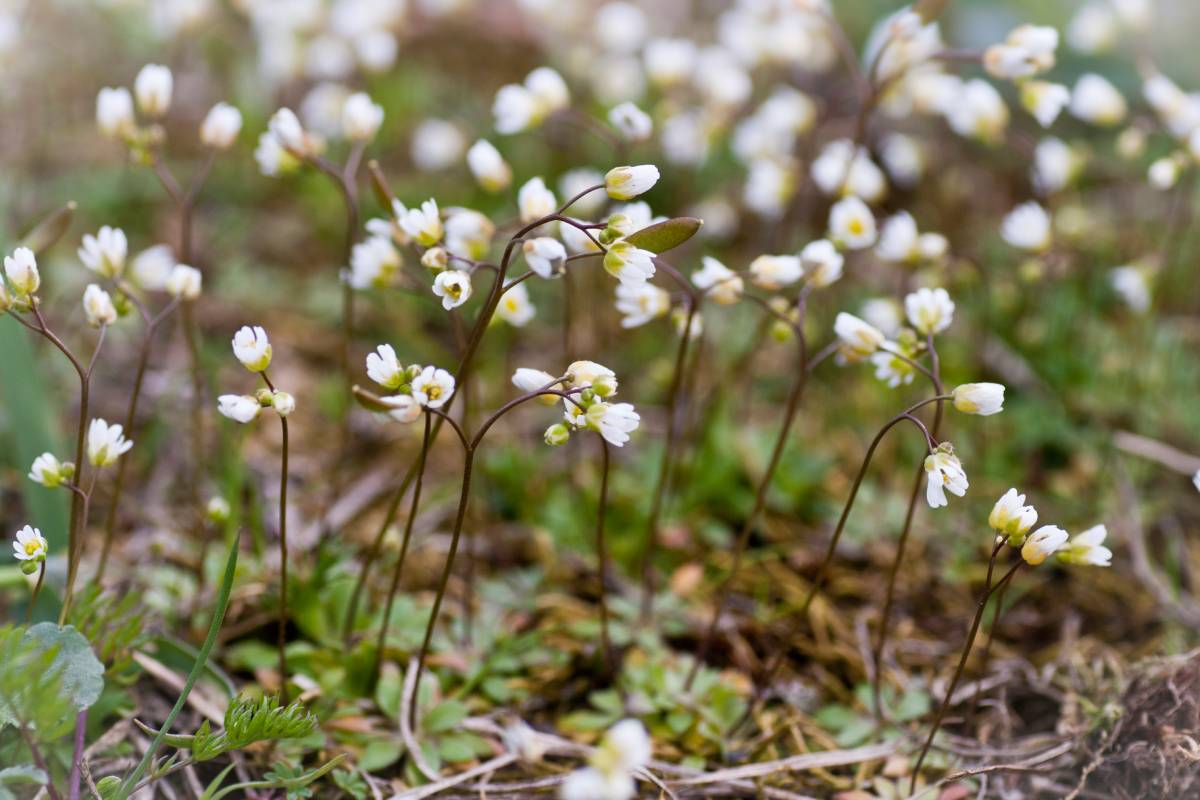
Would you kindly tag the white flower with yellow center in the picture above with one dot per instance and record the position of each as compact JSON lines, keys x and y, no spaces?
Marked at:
{"x":822,"y":263}
{"x":1011,"y":518}
{"x":385,"y":368}
{"x":983,"y":399}
{"x":423,"y":225}
{"x":252,"y":348}
{"x":273,"y":158}
{"x":929,"y":310}
{"x":977,"y":111}
{"x":239,"y":407}
{"x":453,"y":286}
{"x":775,"y":272}
{"x":641,"y":304}
{"x":21,"y":269}
{"x":1027,"y":227}
{"x":842,"y":169}
{"x":851,"y":224}
{"x":49,"y":471}
{"x":98,"y":307}
{"x":590,"y":375}
{"x":546,"y":256}
{"x":490,"y":169}
{"x":1043,"y":543}
{"x":628,"y":263}
{"x":105,"y":253}
{"x":515,"y":307}
{"x":433,"y":387}
{"x":1094,"y":99}
{"x":1087,"y":548}
{"x":718,"y":281}
{"x":856,"y":339}
{"x":1044,"y":100}
{"x":468,"y":233}
{"x":184,"y":282}
{"x":943,"y":471}
{"x":625,"y":749}
{"x":1027,"y":51}
{"x":626,"y":183}
{"x":106,"y":443}
{"x":613,"y":421}
{"x":374,"y":263}
{"x":285,"y":127}
{"x":535,"y":201}
{"x":30,"y":545}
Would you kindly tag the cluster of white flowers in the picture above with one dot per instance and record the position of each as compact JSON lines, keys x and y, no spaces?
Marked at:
{"x":252,"y":348}
{"x":586,"y":389}
{"x":153,"y":89}
{"x":1012,"y":520}
{"x":414,"y":388}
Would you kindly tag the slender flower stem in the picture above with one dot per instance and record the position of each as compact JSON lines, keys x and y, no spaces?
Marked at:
{"x":110,"y":522}
{"x":997,"y":610}
{"x":37,"y":588}
{"x":283,"y":553}
{"x":77,"y":755}
{"x":650,"y":550}
{"x":408,"y":529}
{"x":988,"y":591}
{"x":760,"y":502}
{"x":602,"y":559}
{"x":935,"y":377}
{"x":823,"y":570}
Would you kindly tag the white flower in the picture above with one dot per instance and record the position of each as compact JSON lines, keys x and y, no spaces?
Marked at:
{"x":374,"y":263}
{"x":238,"y":407}
{"x":1010,"y":517}
{"x":49,"y":471}
{"x":468,"y":233}
{"x":1042,"y":543}
{"x":770,"y":184}
{"x":857,"y":339}
{"x":718,"y":281}
{"x":977,"y":111}
{"x":634,"y":124}
{"x":489,"y":167}
{"x":1196,"y":480}
{"x":641,"y":303}
{"x":775,"y":272}
{"x":629,"y":264}
{"x":384,"y":368}
{"x":152,"y":267}
{"x":903,"y":158}
{"x":515,"y":307}
{"x":98,"y":306}
{"x":1055,"y":165}
{"x":285,"y":127}
{"x":1130,"y":284}
{"x":579,"y":185}
{"x":1044,"y":100}
{"x":153,"y":87}
{"x":852,"y":224}
{"x":545,"y":256}
{"x":404,"y":407}
{"x":592,"y":784}
{"x":943,"y":471}
{"x":1094,"y":28}
{"x":891,"y":369}
{"x":535,"y":201}
{"x":822,"y":263}
{"x":899,"y":240}
{"x":548,"y":88}
{"x":533,"y":380}
{"x":30,"y":545}
{"x":983,"y":399}
{"x":105,"y":252}
{"x":626,"y":747}
{"x":283,"y":403}
{"x":518,"y":107}
{"x":613,"y":421}
{"x":883,"y":313}
{"x":105,"y":443}
{"x":114,"y":112}
{"x":1163,"y":173}
{"x":842,"y":169}
{"x":1087,"y":548}
{"x":929,"y":310}
{"x":1027,"y":51}
{"x":423,"y":225}
{"x":252,"y":348}
{"x":453,"y":286}
{"x":433,"y":387}
{"x":1027,"y":227}
{"x":626,"y":183}
{"x":361,"y":117}
{"x":221,"y":126}
{"x":669,"y":61}
{"x":1097,"y":101}
{"x":436,"y":145}
{"x":272,"y":158}
{"x":184,"y":282}
{"x":21,"y":269}
{"x":590,"y":375}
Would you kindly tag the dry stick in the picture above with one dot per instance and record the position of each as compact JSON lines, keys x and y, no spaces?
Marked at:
{"x":602,"y":557}
{"x":822,"y":571}
{"x":962,"y":661}
{"x":760,"y":499}
{"x":664,"y":469}
{"x":935,"y":376}
{"x":283,"y":553}
{"x":110,"y":522}
{"x":461,"y":373}
{"x":408,"y":529}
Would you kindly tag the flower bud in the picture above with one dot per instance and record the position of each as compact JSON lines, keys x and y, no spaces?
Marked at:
{"x":265,"y":397}
{"x":22,"y":272}
{"x":153,"y":87}
{"x":983,"y":399}
{"x":626,"y":183}
{"x":184,"y":282}
{"x":218,"y":510}
{"x":284,"y":403}
{"x":98,"y":306}
{"x":435,"y":259}
{"x":221,"y":127}
{"x":557,"y":435}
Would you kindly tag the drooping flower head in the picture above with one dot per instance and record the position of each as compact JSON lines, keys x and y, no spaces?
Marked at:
{"x":252,"y":348}
{"x":983,"y":399}
{"x":1011,"y":518}
{"x":1042,"y":544}
{"x":943,"y":471}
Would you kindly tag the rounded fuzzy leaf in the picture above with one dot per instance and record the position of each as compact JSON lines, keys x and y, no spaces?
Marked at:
{"x":82,"y":672}
{"x":666,"y":235}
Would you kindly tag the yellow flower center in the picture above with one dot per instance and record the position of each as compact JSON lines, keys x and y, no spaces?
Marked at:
{"x":856,"y":226}
{"x":433,"y":392}
{"x":31,"y":547}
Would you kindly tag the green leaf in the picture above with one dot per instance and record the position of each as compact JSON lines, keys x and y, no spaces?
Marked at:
{"x":380,"y":753}
{"x":25,"y":773}
{"x":82,"y":672}
{"x":444,"y":717}
{"x":666,"y":235}
{"x":458,"y":748}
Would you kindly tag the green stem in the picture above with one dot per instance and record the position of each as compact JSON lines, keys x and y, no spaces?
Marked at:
{"x":37,"y":588}
{"x":602,"y":558}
